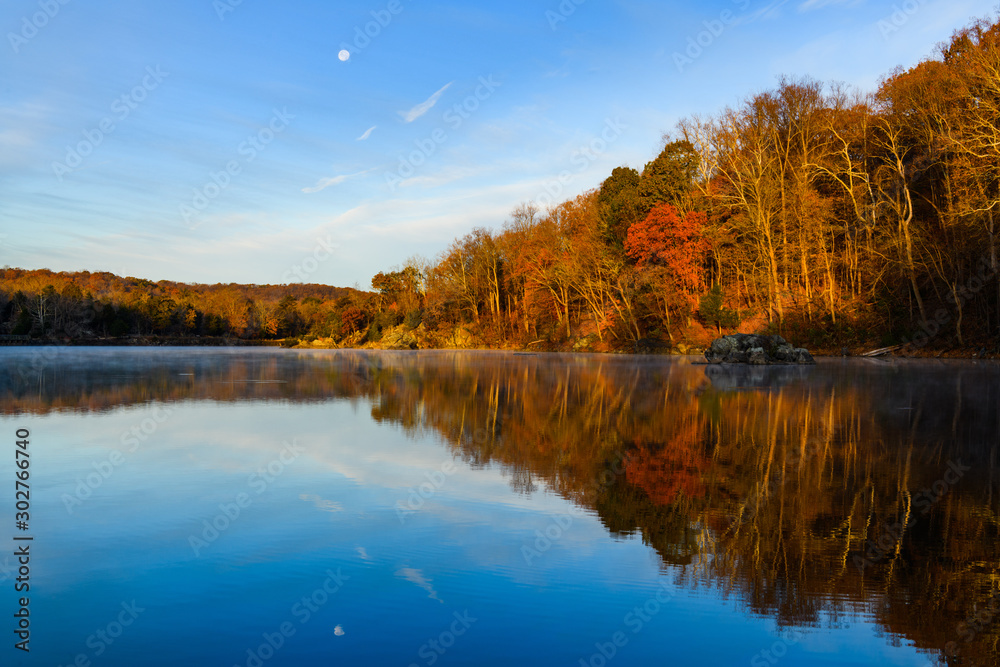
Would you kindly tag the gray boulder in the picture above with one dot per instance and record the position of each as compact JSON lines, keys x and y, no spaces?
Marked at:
{"x":756,"y":350}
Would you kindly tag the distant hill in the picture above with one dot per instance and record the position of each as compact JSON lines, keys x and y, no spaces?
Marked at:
{"x":84,"y":305}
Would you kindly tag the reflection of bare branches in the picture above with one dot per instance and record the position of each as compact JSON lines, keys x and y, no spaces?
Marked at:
{"x":520,"y":481}
{"x":768,"y":495}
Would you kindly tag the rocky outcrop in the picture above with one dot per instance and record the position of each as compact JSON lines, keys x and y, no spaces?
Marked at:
{"x":399,"y":339}
{"x":756,"y":350}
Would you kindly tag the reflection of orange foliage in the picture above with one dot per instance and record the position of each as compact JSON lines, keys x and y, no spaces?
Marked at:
{"x":671,"y":470}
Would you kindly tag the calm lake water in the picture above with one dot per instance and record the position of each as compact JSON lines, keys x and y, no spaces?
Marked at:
{"x":280,"y":507}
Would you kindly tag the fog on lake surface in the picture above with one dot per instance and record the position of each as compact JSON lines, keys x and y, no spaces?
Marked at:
{"x":280,"y":507}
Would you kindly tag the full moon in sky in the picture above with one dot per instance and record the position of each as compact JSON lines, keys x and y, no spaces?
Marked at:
{"x":344,"y":55}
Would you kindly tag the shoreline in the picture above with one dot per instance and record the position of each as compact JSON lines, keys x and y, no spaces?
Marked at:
{"x":981,"y":354}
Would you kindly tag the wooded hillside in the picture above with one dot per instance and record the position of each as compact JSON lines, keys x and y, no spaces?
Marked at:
{"x":85,"y":305}
{"x":834,"y":217}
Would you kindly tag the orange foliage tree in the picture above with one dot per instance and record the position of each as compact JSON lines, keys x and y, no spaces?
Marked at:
{"x":670,"y":252}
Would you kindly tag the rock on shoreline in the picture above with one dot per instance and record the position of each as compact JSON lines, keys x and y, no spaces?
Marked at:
{"x":757,"y":350}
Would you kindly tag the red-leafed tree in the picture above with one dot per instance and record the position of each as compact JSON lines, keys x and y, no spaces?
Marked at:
{"x":352,"y":319}
{"x":670,"y":251}
{"x":666,"y":239}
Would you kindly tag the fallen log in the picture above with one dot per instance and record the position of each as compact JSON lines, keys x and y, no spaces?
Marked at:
{"x":883,"y":350}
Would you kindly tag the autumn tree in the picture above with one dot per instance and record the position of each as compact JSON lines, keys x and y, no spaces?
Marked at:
{"x":619,"y":205}
{"x":972,"y":110}
{"x":669,"y":178}
{"x":671,"y":250}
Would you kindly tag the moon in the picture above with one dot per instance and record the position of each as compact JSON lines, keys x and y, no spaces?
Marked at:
{"x":344,"y":55}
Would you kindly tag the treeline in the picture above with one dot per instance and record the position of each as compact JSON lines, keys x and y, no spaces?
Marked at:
{"x":834,"y":217}
{"x":85,"y":305}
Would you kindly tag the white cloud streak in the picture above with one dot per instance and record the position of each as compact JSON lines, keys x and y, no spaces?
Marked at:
{"x":324,"y":183}
{"x":425,"y":106}
{"x":417,"y":577}
{"x":810,"y":5}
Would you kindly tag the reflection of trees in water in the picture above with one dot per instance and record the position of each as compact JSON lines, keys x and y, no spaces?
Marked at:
{"x":812,"y":476}
{"x":667,"y":471}
{"x":770,"y":486}
{"x":522,"y":480}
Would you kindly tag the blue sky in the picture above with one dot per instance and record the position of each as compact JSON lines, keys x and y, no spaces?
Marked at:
{"x":229,"y":141}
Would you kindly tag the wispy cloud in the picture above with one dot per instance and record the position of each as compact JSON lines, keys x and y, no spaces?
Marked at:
{"x":768,"y":12}
{"x":367,"y":133}
{"x":810,"y":5}
{"x":322,"y":503}
{"x":425,"y":106}
{"x":23,"y":125}
{"x":324,"y":183}
{"x":417,"y":577}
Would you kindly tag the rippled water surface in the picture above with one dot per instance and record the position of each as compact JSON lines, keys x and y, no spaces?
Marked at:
{"x":276,"y":507}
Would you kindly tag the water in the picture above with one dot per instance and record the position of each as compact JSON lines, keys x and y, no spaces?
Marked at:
{"x":275,"y":507}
